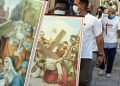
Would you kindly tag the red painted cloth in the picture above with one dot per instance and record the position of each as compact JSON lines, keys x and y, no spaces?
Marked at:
{"x":51,"y":77}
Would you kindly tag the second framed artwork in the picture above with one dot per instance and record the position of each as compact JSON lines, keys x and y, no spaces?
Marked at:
{"x":18,"y":29}
{"x":57,"y":58}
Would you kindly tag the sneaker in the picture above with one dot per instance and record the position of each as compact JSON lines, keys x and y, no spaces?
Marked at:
{"x":108,"y":75}
{"x":101,"y":72}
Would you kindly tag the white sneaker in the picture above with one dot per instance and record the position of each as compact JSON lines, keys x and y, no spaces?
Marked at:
{"x":108,"y":75}
{"x":101,"y":72}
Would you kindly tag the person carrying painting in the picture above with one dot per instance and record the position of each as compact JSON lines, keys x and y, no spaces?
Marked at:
{"x":92,"y":30}
{"x":61,"y":8}
{"x":111,"y":26}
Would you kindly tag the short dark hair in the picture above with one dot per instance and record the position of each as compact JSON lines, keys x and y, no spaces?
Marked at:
{"x":63,"y":2}
{"x":102,"y":8}
{"x":85,"y":2}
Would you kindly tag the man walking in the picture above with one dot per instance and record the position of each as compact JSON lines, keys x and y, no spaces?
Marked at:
{"x":111,"y":25}
{"x":92,"y":30}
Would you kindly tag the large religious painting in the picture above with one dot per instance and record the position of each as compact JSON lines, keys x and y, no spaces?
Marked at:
{"x":19,"y":22}
{"x":57,"y":57}
{"x":110,"y":3}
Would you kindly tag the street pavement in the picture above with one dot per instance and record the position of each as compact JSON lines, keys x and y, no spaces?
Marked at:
{"x":102,"y":80}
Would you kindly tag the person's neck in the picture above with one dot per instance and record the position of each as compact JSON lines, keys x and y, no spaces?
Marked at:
{"x":83,"y":13}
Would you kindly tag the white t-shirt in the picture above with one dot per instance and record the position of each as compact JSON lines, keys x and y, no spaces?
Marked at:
{"x":95,"y":48}
{"x":110,"y":27}
{"x":103,"y":16}
{"x":92,"y":28}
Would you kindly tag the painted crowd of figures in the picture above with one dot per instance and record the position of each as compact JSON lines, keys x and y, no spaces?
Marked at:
{"x":15,"y":52}
{"x":16,"y":45}
{"x":62,"y":70}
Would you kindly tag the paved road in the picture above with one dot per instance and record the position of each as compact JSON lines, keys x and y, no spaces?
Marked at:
{"x":103,"y":81}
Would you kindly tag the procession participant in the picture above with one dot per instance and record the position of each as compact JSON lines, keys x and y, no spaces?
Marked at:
{"x":61,"y":8}
{"x":92,"y":30}
{"x":111,"y":25}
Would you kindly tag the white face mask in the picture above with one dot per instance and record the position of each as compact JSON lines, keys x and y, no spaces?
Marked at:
{"x":59,"y":12}
{"x":75,"y":9}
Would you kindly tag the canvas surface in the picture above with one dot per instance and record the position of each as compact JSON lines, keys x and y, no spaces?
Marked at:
{"x":19,"y":22}
{"x":56,"y":61}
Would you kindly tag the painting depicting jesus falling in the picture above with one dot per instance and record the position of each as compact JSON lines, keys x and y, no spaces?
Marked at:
{"x":57,"y":58}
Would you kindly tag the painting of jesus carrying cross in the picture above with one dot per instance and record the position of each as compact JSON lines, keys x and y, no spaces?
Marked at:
{"x":57,"y":58}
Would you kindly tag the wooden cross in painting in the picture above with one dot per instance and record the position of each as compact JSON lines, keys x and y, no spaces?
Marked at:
{"x":4,"y":28}
{"x":48,"y":51}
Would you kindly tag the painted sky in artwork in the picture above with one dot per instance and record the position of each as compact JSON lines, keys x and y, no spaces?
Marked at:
{"x":12,"y":3}
{"x":52,"y":25}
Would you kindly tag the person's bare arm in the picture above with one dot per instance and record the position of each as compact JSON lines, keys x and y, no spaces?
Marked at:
{"x":100,"y":44}
{"x":118,"y":32}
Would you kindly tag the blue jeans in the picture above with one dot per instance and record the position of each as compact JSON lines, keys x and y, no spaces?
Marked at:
{"x":110,"y":57}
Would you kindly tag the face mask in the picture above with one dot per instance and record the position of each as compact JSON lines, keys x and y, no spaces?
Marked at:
{"x":59,"y":12}
{"x":100,"y":13}
{"x":111,"y":17}
{"x":75,"y":9}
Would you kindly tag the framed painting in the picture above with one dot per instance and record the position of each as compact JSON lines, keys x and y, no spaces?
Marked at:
{"x":110,"y":3}
{"x":57,"y":57}
{"x":19,"y":22}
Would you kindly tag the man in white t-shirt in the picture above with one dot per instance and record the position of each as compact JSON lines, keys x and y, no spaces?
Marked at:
{"x":111,"y":25}
{"x":92,"y":31}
